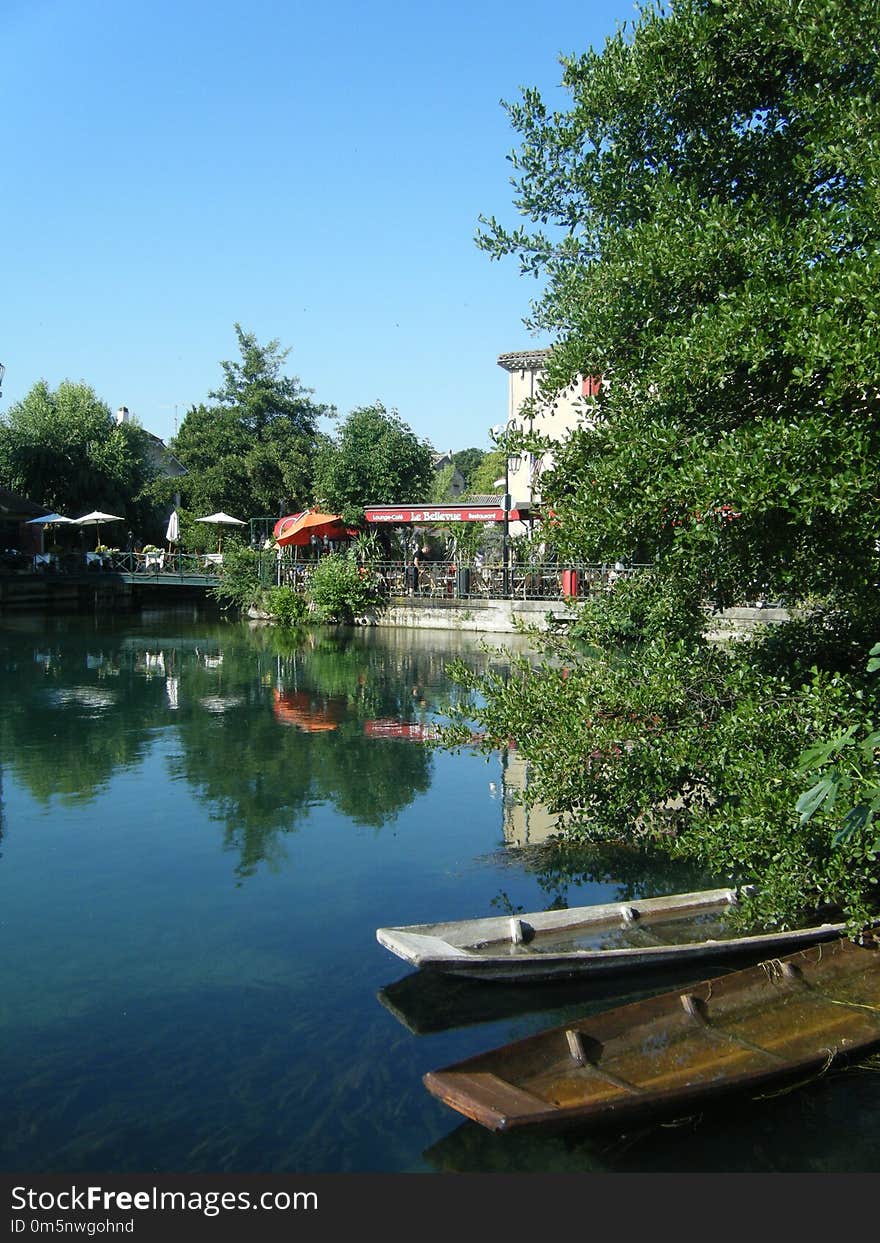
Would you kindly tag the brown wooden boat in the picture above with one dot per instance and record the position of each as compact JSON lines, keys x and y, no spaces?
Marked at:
{"x":785,"y":1019}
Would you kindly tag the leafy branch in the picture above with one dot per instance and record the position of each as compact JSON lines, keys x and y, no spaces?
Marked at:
{"x":849,"y":764}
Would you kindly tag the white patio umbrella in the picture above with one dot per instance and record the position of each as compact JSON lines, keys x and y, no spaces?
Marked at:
{"x":47,"y":519}
{"x":172,"y":534}
{"x":222,"y":520}
{"x":94,"y":519}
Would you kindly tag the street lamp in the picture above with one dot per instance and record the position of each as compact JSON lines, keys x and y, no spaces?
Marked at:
{"x":2,"y":374}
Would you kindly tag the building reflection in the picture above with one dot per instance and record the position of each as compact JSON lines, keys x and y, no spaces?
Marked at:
{"x":524,"y":825}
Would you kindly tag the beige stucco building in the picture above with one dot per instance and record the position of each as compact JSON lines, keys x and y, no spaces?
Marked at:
{"x":549,"y":416}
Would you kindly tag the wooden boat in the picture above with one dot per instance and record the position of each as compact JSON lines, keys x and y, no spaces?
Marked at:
{"x":608,"y":938}
{"x":782,"y":1020}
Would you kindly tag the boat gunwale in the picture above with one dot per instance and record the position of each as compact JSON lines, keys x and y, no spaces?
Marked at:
{"x":450,"y":946}
{"x":496,"y":927}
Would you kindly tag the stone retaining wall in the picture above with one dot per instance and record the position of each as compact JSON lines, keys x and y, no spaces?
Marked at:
{"x":497,"y":617}
{"x":491,"y":616}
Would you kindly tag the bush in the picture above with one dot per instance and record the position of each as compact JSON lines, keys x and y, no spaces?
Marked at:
{"x":243,"y":577}
{"x":341,"y":589}
{"x":286,"y":606}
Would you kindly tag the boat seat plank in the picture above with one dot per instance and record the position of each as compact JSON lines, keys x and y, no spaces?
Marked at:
{"x":695,"y":1008}
{"x":580,"y":1055}
{"x":862,"y":1000}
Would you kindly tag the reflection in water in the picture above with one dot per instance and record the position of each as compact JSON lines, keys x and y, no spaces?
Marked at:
{"x":190,"y":886}
{"x":307,"y":712}
{"x":98,"y":708}
{"x":524,"y":824}
{"x":429,"y":1001}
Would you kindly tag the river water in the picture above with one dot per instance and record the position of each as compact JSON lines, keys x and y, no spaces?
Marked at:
{"x":202,"y":824}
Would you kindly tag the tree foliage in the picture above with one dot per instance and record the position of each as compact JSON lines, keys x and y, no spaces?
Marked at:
{"x":712,"y":211}
{"x":482,"y":481}
{"x":62,"y":448}
{"x":466,"y":462}
{"x":375,"y":459}
{"x":340,"y":589}
{"x":707,"y":227}
{"x":441,"y":488}
{"x":250,"y":450}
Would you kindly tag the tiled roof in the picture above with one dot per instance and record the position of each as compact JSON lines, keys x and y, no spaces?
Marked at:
{"x":523,"y":360}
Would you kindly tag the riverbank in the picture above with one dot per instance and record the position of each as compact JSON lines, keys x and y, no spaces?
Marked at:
{"x":114,"y":593}
{"x":507,"y":616}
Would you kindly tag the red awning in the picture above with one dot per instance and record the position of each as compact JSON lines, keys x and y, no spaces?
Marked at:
{"x":400,"y":515}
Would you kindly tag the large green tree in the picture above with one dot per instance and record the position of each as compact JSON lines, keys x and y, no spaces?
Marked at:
{"x":712,"y":199}
{"x":707,"y":227}
{"x":375,"y":459}
{"x":250,"y":448}
{"x":63,"y":449}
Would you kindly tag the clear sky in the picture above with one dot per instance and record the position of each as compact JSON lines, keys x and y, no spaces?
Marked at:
{"x":312,"y":171}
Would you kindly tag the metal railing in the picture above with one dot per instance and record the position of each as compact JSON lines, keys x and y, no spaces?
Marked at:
{"x":146,"y":564}
{"x":443,"y":580}
{"x":439,"y":580}
{"x":429,"y":580}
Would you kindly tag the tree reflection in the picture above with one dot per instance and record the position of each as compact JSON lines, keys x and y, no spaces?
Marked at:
{"x":296,"y":738}
{"x":636,"y":871}
{"x":266,"y":723}
{"x":61,"y":733}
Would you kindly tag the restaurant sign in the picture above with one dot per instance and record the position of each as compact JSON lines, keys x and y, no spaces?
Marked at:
{"x":404,"y":514}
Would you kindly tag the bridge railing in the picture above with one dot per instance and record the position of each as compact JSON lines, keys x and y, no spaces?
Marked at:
{"x":156,"y":564}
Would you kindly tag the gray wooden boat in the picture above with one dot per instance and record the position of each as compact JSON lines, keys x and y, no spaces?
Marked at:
{"x":591,"y":940}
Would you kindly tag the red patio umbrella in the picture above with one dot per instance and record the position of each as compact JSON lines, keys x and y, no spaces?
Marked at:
{"x":298,"y":529}
{"x":297,"y":708}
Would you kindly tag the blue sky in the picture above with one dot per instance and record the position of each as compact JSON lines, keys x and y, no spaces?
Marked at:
{"x":313,"y":172}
